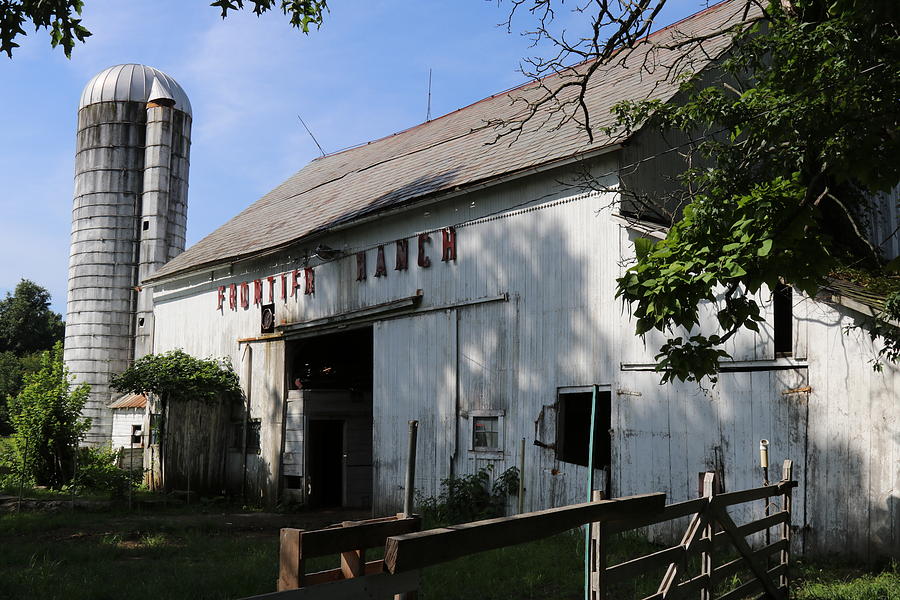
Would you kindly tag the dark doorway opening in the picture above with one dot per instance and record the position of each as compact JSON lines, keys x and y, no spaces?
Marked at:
{"x":328,"y":420}
{"x":326,"y":469}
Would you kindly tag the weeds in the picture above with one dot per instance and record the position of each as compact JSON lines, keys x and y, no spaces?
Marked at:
{"x":469,"y":497}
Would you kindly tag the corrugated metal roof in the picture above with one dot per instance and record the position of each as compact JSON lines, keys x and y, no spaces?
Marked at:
{"x":130,"y":401}
{"x":131,"y":82}
{"x":450,"y":152}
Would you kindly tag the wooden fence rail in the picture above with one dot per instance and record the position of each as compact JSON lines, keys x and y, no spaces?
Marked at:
{"x":702,"y":541}
{"x":408,"y":550}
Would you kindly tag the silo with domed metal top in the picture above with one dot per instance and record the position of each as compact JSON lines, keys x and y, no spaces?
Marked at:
{"x":128,"y":218}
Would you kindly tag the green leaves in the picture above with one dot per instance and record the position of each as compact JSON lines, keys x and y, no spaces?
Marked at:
{"x":61,"y":18}
{"x":787,"y":158}
{"x":302,"y":13}
{"x":46,"y":418}
{"x":177,"y":376}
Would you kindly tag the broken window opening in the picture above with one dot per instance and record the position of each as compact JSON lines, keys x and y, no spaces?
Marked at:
{"x":573,"y":418}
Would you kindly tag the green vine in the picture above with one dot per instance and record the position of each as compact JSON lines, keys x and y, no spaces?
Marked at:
{"x":178,"y":376}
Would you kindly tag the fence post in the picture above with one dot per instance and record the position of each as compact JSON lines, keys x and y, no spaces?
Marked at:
{"x":706,"y":557}
{"x":787,"y":474}
{"x":598,"y":554}
{"x":290,"y":562}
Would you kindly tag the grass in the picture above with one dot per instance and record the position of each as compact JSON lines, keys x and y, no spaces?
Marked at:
{"x":187,"y":554}
{"x":840,"y":582}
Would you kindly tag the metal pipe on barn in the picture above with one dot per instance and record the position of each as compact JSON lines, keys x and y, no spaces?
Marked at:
{"x":410,"y":469}
{"x":590,"y":494}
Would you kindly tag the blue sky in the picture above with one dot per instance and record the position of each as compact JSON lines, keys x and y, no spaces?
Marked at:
{"x":362,"y":76}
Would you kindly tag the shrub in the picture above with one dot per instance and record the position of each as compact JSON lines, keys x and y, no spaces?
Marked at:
{"x":46,"y":417}
{"x":97,"y":471}
{"x":470,"y":497}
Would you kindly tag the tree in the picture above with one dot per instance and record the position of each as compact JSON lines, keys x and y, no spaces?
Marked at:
{"x":62,"y":18}
{"x":792,"y":143}
{"x":27,"y":324}
{"x":27,"y":328}
{"x":46,"y":417}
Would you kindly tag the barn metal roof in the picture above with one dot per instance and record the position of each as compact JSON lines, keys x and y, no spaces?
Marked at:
{"x":452,"y":152}
{"x":132,"y":82}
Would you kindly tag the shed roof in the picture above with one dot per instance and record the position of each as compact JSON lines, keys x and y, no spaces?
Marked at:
{"x":451,"y":152}
{"x":130,"y":401}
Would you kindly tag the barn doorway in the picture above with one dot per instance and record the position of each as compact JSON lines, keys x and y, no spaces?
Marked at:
{"x":326,"y":464}
{"x":330,"y":419}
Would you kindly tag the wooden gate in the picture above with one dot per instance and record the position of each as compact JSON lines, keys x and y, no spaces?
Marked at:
{"x":711,"y":531}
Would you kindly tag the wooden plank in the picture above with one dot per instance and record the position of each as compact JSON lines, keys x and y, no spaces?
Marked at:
{"x":599,"y":548}
{"x":705,"y":592}
{"x":728,"y":569}
{"x":323,"y":542}
{"x":689,"y":541}
{"x":722,"y":539}
{"x":672,"y":511}
{"x":642,"y":564}
{"x":741,"y":544}
{"x":415,"y":550}
{"x":787,"y":473}
{"x":381,"y":585}
{"x":290,"y":567}
{"x":372,"y":567}
{"x":753,"y":585}
{"x":353,"y":563}
{"x":691,"y":587}
{"x":758,"y":493}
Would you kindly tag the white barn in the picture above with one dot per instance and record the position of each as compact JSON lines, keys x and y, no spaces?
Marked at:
{"x":431,"y":275}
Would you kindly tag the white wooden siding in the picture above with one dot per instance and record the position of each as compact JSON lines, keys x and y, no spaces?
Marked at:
{"x":122,"y":420}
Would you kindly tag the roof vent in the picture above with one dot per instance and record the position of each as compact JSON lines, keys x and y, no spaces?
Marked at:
{"x":159,"y":94}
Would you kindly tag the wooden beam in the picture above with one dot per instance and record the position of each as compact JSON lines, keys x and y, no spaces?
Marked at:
{"x":766,"y":491}
{"x":672,"y":511}
{"x":372,"y":567}
{"x":744,"y":549}
{"x":323,"y":542}
{"x":726,"y":570}
{"x":290,"y":569}
{"x":415,"y":550}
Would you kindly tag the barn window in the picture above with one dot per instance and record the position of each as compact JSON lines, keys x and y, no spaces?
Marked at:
{"x":136,"y":436}
{"x":783,"y":320}
{"x":487,"y":428}
{"x":573,"y":422}
{"x":156,"y":424}
{"x":237,"y":435}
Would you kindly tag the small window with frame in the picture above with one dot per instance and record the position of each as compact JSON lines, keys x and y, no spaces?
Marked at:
{"x":487,"y":430}
{"x":156,"y":428}
{"x":253,"y":436}
{"x":137,"y":440}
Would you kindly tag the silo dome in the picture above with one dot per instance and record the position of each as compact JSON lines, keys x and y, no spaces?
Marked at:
{"x":132,"y":83}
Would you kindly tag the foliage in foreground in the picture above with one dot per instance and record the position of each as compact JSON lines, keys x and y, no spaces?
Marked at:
{"x":790,"y":155}
{"x":469,"y":497}
{"x":47,"y":423}
{"x":62,"y":18}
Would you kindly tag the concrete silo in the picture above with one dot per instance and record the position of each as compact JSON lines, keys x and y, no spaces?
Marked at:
{"x":128,"y":219}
